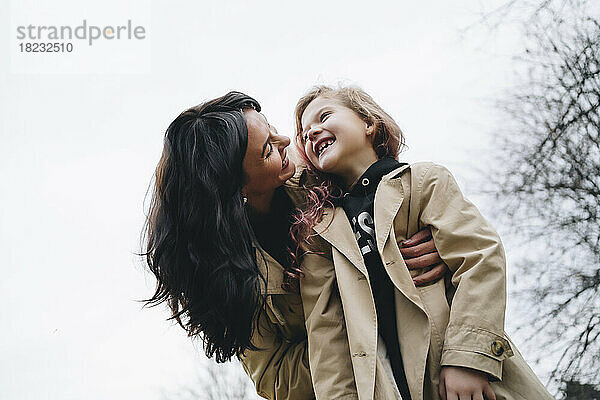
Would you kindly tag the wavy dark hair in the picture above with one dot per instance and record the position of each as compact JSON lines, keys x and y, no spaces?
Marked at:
{"x":199,"y":239}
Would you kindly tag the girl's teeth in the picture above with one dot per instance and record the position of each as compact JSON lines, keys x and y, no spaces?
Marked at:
{"x":324,"y":146}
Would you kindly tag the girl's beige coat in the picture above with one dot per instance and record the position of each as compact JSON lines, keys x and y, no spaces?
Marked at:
{"x":458,"y":321}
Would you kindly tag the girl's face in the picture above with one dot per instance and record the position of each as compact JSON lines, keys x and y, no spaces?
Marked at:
{"x":266,"y":164}
{"x":336,"y":140}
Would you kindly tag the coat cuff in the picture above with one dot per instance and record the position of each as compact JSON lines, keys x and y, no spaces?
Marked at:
{"x":476,"y":348}
{"x":468,"y":359}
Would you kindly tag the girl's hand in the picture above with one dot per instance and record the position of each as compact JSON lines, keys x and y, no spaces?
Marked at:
{"x":419,"y":252}
{"x":458,"y":383}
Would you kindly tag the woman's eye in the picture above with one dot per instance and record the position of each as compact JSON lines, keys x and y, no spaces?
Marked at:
{"x":324,"y":115}
{"x":270,"y":150}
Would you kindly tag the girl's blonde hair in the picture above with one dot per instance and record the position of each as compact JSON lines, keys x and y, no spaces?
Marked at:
{"x":388,"y":139}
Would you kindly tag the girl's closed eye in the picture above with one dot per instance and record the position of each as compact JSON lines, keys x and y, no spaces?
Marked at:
{"x":270,"y":150}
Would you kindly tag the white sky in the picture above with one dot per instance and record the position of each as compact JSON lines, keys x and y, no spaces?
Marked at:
{"x":78,"y":150}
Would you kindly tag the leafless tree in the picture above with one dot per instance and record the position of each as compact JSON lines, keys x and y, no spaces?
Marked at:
{"x":217,"y":382}
{"x":547,"y":185}
{"x":522,"y":12}
{"x":573,"y":390}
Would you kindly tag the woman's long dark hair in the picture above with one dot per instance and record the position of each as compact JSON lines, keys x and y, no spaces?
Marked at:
{"x":199,"y":239}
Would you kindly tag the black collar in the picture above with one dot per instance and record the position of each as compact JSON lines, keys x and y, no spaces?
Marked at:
{"x":368,"y":182}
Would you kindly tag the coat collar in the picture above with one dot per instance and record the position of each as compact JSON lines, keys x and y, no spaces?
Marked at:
{"x":388,"y":198}
{"x":336,"y":229}
{"x":271,"y":270}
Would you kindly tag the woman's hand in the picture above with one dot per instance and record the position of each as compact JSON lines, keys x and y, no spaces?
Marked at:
{"x":419,"y":252}
{"x":458,"y":383}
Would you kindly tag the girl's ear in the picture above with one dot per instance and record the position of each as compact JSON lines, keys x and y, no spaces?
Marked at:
{"x":370,"y":128}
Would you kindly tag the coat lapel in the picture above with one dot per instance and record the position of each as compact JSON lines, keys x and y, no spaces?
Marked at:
{"x":388,"y":198}
{"x":388,"y":201}
{"x":336,"y":229}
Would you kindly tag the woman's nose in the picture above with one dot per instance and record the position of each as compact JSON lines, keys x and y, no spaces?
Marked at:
{"x":282,"y":141}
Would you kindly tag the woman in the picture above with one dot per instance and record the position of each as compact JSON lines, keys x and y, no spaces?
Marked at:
{"x":218,"y":245}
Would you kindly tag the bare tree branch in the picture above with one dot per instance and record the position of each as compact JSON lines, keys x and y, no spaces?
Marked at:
{"x":547,"y":184}
{"x":217,"y":382}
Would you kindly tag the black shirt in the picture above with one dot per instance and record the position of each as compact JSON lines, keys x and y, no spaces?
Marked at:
{"x":358,"y":204}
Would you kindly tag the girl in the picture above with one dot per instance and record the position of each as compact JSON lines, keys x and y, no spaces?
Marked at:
{"x":444,"y":340}
{"x":217,"y":240}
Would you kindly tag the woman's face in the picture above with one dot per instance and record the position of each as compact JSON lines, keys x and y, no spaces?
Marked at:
{"x":266,"y":163}
{"x":334,"y":137}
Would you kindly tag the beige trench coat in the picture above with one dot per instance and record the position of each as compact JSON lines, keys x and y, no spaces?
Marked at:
{"x":458,"y":322}
{"x":280,"y":367}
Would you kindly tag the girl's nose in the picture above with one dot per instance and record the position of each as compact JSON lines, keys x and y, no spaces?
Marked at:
{"x":314,"y":132}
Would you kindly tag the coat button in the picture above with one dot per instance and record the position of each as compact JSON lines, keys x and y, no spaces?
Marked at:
{"x":365,"y":182}
{"x":497,"y":348}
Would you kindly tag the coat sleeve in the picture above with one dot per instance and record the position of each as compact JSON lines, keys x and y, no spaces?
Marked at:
{"x":328,"y":348}
{"x":473,"y":251}
{"x":279,"y":369}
